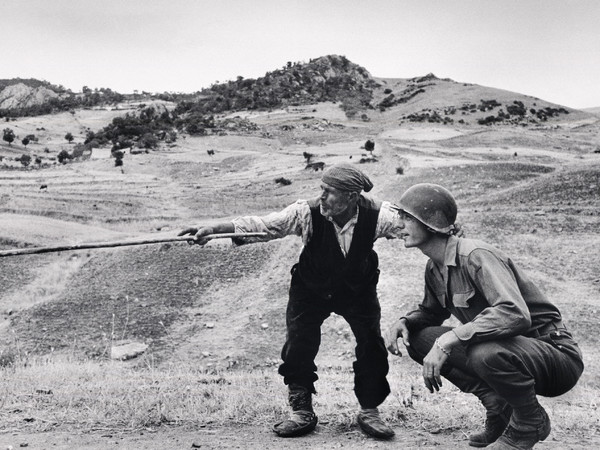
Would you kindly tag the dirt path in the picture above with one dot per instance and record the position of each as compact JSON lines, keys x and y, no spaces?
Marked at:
{"x":246,"y":437}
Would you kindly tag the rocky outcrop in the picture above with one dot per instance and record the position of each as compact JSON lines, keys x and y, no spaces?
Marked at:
{"x":19,"y":95}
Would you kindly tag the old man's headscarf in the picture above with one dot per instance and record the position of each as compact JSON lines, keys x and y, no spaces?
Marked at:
{"x":347,"y":178}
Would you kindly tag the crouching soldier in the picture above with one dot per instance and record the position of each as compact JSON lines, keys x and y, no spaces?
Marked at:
{"x":511,"y":345}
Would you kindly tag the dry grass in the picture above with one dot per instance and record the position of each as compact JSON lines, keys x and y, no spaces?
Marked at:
{"x":45,"y":285}
{"x":57,"y":394}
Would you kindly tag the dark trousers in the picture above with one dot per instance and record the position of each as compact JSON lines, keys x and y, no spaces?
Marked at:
{"x":514,"y":369}
{"x":306,"y":312}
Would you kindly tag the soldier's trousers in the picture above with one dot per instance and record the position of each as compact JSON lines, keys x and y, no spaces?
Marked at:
{"x":515,"y":368}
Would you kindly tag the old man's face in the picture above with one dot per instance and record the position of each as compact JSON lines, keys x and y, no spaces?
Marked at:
{"x":334,"y":201}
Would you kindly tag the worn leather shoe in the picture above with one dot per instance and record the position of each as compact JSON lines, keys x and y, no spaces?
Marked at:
{"x":371,"y":423}
{"x":298,"y":424}
{"x":494,"y":427}
{"x":513,"y":438}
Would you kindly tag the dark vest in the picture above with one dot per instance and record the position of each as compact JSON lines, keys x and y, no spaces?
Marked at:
{"x":322,"y":266}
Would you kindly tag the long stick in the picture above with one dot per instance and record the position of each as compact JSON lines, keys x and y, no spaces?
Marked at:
{"x":60,"y":248}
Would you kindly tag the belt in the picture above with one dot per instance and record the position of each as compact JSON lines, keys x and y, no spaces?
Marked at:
{"x":548,"y":328}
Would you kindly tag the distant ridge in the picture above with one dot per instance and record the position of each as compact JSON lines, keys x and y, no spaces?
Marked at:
{"x":331,"y":78}
{"x":33,"y":83}
{"x":594,"y":110}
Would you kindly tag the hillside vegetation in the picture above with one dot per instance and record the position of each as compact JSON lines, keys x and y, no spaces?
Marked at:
{"x":212,"y":319}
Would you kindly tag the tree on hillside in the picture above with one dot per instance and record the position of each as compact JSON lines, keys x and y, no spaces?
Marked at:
{"x":63,"y":157}
{"x":69,"y":137}
{"x":25,"y":141}
{"x":25,"y":160}
{"x":9,"y":135}
{"x":118,"y":155}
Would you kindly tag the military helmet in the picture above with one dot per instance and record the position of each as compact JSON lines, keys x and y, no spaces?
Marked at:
{"x":432,"y":205}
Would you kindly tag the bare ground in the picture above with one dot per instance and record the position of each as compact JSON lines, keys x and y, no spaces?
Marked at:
{"x":533,"y":194}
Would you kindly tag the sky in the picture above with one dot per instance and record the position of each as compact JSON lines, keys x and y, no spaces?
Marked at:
{"x":548,"y":49}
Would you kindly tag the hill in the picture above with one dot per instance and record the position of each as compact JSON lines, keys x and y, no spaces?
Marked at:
{"x":327,"y":93}
{"x":527,"y":184}
{"x":331,"y":78}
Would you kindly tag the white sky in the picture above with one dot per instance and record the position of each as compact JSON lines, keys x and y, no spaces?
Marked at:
{"x":545,"y":48}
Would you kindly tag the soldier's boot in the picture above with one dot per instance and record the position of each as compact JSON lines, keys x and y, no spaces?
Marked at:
{"x":523,"y":436}
{"x":498,"y":411}
{"x":495,"y":424}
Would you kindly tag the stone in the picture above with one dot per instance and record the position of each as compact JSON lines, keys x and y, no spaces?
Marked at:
{"x":127,"y":351}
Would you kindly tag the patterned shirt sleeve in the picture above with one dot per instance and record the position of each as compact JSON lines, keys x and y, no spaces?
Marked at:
{"x":293,"y":220}
{"x":388,"y":222}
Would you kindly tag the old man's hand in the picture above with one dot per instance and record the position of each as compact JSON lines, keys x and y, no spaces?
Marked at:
{"x":196,"y":234}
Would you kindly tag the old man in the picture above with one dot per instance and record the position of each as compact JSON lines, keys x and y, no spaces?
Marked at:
{"x":337,"y":272}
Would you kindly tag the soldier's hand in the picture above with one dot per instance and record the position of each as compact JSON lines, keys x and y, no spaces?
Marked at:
{"x":432,"y":365}
{"x":396,"y":331}
{"x":437,"y":356}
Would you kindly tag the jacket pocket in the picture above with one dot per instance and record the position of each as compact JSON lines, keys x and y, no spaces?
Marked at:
{"x":461,"y":300}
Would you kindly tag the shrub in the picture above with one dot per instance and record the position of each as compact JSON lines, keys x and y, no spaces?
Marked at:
{"x":283,"y":181}
{"x":8,"y":136}
{"x":118,"y":155}
{"x":25,"y":160}
{"x":488,"y":105}
{"x":63,"y":157}
{"x":489,"y":120}
{"x":148,"y":140}
{"x":370,"y":159}
{"x":399,"y":170}
{"x":387,"y":102}
{"x":516,"y":109}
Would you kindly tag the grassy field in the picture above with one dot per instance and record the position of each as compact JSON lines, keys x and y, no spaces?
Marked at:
{"x":214,"y":318}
